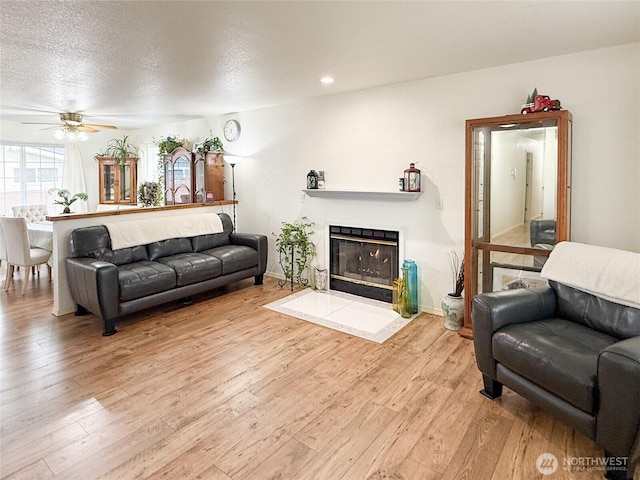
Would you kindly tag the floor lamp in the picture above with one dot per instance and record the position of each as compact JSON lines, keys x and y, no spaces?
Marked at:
{"x":233,"y":160}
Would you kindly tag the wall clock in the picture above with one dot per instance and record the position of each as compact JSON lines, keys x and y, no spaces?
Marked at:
{"x":231,"y":130}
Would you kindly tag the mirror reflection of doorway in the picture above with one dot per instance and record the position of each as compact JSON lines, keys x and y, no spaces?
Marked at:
{"x":528,"y":180}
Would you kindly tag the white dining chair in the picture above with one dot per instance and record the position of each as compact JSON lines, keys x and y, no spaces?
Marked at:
{"x":33,"y":213}
{"x":19,"y":252}
{"x":3,"y":248}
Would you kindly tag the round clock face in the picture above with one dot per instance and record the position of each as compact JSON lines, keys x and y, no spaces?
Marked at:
{"x":231,"y":130}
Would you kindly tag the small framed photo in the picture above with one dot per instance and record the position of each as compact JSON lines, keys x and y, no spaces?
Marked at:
{"x":509,"y":277}
{"x":209,"y":197}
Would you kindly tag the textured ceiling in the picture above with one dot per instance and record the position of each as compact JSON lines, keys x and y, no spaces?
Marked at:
{"x":138,"y":63}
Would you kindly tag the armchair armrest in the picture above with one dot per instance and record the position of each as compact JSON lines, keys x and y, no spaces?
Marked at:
{"x":492,"y":311}
{"x":618,"y":420}
{"x":94,"y":286}
{"x":255,"y":241}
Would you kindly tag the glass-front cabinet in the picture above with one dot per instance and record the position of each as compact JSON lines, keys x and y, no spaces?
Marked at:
{"x":517,"y":205}
{"x":190,"y":178}
{"x":178,"y":177}
{"x":117,"y":181}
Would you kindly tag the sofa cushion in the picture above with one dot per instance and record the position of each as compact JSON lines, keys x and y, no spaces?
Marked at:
{"x":192,"y":267}
{"x":556,"y":354}
{"x":611,"y":318}
{"x":234,"y":257}
{"x":205,"y":242}
{"x":141,"y":279}
{"x":166,"y":248}
{"x":123,"y":256}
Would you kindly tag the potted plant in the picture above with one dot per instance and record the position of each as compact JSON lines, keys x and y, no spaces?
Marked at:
{"x":213,"y":145}
{"x":295,"y":250}
{"x":120,"y":149}
{"x":169,"y":143}
{"x":150,"y":194}
{"x":453,"y":303}
{"x":66,"y":199}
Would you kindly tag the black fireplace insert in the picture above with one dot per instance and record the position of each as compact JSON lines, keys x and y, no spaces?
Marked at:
{"x":364,"y":261}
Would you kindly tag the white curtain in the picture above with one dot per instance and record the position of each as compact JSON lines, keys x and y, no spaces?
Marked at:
{"x":73,"y":175}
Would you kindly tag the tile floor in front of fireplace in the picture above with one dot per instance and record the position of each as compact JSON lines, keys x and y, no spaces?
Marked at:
{"x":365,"y":318}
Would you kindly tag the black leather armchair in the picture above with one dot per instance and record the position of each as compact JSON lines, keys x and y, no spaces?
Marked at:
{"x":575,"y":355}
{"x":542,"y":232}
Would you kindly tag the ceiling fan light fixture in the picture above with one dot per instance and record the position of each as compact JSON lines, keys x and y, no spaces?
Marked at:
{"x":69,"y":133}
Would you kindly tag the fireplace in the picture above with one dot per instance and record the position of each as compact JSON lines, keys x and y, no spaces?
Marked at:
{"x":364,"y":261}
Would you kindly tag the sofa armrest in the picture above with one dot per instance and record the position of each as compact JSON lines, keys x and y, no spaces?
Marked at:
{"x":94,"y":285}
{"x":492,"y":311}
{"x":257,"y":242}
{"x":618,"y":419}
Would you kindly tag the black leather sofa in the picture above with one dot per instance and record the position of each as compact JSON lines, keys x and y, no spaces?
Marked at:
{"x":575,"y":355}
{"x":112,"y":283}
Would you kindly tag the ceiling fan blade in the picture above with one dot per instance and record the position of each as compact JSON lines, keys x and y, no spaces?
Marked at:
{"x":87,"y":128}
{"x":39,"y":123}
{"x":97,"y":125}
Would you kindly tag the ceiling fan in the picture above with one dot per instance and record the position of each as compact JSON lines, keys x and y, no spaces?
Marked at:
{"x":72,"y":128}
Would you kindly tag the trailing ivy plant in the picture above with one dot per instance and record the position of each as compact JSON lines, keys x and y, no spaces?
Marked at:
{"x":296,"y":235}
{"x":120,"y":149}
{"x":209,"y":145}
{"x":169,"y":143}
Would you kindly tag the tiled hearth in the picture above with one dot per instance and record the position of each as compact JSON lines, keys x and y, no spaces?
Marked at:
{"x":365,"y":318}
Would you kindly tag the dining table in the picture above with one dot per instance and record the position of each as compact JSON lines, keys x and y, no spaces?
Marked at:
{"x":41,"y":236}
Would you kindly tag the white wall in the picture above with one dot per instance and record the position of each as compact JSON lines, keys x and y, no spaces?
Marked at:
{"x":364,"y":140}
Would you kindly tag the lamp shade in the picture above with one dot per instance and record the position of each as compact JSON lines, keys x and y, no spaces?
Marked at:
{"x":232,"y":159}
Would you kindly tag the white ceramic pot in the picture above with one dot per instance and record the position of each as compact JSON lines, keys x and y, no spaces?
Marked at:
{"x":453,"y":310}
{"x":321,"y":279}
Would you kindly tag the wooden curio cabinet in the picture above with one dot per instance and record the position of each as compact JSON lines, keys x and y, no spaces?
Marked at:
{"x":518,"y":201}
{"x":118,"y":181}
{"x":179,"y":177}
{"x":190,"y":179}
{"x":213,"y":167}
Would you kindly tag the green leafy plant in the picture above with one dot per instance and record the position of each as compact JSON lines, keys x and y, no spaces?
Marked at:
{"x":209,"y":145}
{"x":169,"y":143}
{"x":120,"y":149}
{"x":150,"y":194}
{"x":66,"y":199}
{"x":296,"y":235}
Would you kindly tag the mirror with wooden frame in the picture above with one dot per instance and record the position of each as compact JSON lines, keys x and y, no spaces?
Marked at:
{"x":517,"y":204}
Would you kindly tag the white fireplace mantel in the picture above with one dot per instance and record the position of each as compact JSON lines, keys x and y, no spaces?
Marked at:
{"x":364,"y":195}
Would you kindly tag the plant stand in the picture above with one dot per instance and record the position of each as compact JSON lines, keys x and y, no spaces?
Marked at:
{"x":298,"y":278}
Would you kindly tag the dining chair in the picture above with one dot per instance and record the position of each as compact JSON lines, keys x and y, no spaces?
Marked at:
{"x":3,"y":249}
{"x":33,"y":213}
{"x":19,"y":252}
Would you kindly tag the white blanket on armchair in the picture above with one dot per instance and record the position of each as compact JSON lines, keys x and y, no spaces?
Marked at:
{"x":130,"y":234}
{"x":605,"y":272}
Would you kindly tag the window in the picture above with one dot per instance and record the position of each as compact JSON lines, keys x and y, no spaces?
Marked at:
{"x":27,"y":173}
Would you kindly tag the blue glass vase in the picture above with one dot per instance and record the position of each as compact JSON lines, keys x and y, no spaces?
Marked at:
{"x":412,"y":279}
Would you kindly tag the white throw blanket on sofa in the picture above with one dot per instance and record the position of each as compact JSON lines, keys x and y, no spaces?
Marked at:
{"x":605,"y":272}
{"x":130,"y":234}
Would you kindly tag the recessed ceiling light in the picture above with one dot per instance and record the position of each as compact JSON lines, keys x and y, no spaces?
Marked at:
{"x":327,"y":80}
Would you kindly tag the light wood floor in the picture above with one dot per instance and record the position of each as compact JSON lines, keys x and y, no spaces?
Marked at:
{"x":225,"y":389}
